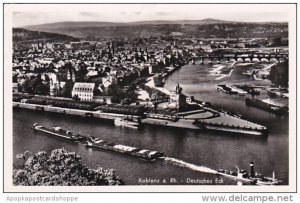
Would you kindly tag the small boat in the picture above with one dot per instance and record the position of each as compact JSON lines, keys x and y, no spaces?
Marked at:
{"x":227,"y":89}
{"x":126,"y":121}
{"x":252,"y":178}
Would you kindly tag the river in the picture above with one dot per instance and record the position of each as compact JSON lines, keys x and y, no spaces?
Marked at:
{"x":210,"y":149}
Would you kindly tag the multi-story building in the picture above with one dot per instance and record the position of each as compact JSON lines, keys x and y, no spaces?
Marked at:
{"x":84,"y":91}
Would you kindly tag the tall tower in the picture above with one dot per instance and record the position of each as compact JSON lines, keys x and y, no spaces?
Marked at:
{"x":178,"y":89}
{"x":178,"y":98}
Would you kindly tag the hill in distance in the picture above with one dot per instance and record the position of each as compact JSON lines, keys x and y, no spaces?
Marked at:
{"x":24,"y":35}
{"x":90,"y":30}
{"x":73,"y":24}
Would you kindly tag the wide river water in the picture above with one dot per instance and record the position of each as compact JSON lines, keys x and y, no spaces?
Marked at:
{"x":210,"y":149}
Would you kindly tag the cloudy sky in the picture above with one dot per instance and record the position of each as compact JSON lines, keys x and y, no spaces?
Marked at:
{"x":39,"y":14}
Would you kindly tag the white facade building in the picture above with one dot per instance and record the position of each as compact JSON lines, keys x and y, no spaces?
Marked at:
{"x":85,"y":91}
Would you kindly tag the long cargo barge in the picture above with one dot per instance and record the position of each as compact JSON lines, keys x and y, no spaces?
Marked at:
{"x":96,"y":143}
{"x":58,"y":132}
{"x":272,"y":108}
{"x":141,"y":153}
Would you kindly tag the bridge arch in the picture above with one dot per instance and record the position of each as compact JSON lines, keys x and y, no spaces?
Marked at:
{"x":247,"y":60}
{"x":239,"y":60}
{"x":273,"y":60}
{"x":264,"y":60}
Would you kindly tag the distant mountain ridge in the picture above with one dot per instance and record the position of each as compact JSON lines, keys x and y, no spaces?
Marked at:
{"x":72,"y":24}
{"x":209,"y":27}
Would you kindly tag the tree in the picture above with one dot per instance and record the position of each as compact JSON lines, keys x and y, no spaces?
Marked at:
{"x":27,"y":87}
{"x":76,"y":97}
{"x":60,"y":168}
{"x":116,"y":92}
{"x":279,"y":74}
{"x":41,"y":89}
{"x":67,"y":90}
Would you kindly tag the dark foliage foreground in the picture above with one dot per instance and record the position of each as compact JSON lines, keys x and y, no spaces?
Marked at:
{"x":60,"y":168}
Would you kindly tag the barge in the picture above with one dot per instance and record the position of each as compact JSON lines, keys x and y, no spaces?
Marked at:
{"x":97,"y":143}
{"x":141,"y":153}
{"x":231,"y":89}
{"x":59,"y":132}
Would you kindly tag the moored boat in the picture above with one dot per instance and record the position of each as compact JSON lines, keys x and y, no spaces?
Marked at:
{"x":126,"y":121}
{"x":227,"y":89}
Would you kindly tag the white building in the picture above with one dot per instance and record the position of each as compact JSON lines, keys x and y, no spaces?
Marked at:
{"x":85,"y":91}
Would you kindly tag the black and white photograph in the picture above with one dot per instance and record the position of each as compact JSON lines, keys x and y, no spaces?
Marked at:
{"x":161,"y":97}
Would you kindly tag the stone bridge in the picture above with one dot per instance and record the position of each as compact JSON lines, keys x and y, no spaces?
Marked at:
{"x":258,"y":57}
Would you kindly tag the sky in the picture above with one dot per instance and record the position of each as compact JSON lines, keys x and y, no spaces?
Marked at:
{"x":40,"y":14}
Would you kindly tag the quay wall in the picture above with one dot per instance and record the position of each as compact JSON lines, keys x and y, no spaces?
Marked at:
{"x":102,"y":115}
{"x":75,"y":112}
